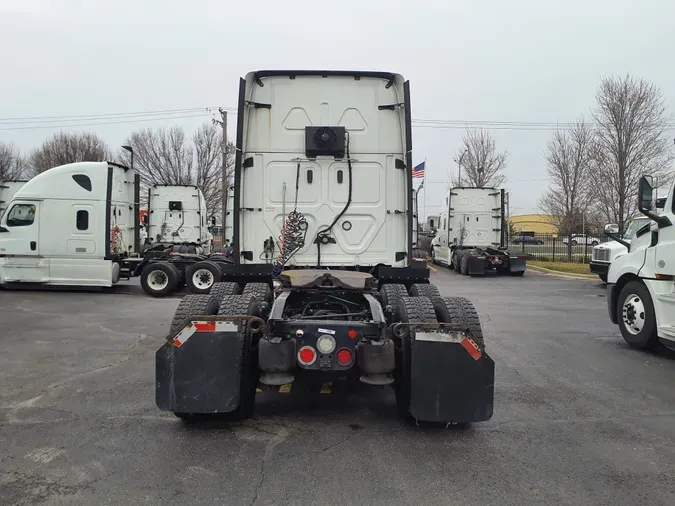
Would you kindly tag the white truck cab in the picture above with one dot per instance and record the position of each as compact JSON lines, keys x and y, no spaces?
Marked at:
{"x":641,"y":282}
{"x":605,"y":253}
{"x":68,"y":225}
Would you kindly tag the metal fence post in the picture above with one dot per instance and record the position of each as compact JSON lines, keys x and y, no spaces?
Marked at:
{"x":553,"y":257}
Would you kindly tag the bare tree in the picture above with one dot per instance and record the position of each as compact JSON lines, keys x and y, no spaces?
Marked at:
{"x":481,"y":163}
{"x":630,"y":141}
{"x":166,"y":156}
{"x":11,"y":163}
{"x":65,"y":148}
{"x":569,"y":160}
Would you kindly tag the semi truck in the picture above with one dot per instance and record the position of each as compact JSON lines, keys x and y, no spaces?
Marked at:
{"x":641,"y":282}
{"x":472,"y":234}
{"x":7,"y":191}
{"x":603,"y":254}
{"x":323,"y":286}
{"x":177,"y":219}
{"x":78,"y":225}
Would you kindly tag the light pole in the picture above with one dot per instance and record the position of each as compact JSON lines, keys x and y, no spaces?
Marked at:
{"x":459,"y":166}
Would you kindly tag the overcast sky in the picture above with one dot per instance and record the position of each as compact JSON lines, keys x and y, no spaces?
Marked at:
{"x":473,"y":60}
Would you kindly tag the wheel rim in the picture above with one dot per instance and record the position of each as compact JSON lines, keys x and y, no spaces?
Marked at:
{"x":158,"y":280}
{"x":202,"y":278}
{"x":633,"y":314}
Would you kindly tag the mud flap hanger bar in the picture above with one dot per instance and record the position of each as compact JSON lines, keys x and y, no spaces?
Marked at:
{"x":198,"y":324}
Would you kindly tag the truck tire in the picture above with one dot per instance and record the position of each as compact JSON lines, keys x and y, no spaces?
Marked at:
{"x":194,"y":305}
{"x":408,"y":310}
{"x":201,"y":276}
{"x":244,"y":305}
{"x":637,"y":320}
{"x":391,"y":294}
{"x":464,"y":265}
{"x":159,"y":279}
{"x":223,"y":288}
{"x":461,"y":311}
{"x":425,"y":290}
{"x":260,"y":291}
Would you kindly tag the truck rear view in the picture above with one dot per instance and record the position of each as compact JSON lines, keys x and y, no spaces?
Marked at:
{"x":472,"y":235}
{"x":323,"y":286}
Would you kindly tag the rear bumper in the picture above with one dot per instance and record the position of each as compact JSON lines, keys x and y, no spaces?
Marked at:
{"x":599,"y":267}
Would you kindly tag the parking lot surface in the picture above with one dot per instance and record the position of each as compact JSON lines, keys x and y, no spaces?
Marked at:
{"x":580,"y":418}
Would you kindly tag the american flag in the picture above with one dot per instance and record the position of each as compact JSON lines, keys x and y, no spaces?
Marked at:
{"x":418,"y":171}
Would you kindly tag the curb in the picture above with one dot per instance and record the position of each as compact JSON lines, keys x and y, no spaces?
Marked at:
{"x":544,"y":270}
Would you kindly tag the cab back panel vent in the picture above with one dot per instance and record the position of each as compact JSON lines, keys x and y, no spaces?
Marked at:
{"x":325,"y":141}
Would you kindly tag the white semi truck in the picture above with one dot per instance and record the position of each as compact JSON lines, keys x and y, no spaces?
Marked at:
{"x":641,"y":282}
{"x":78,"y":225}
{"x":323,"y":285}
{"x":603,"y":254}
{"x":177,"y":219}
{"x":472,"y":234}
{"x":7,"y":191}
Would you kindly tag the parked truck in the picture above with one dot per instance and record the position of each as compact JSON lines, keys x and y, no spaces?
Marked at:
{"x":641,"y":282}
{"x":337,"y":296}
{"x":7,"y":191}
{"x":79,"y":225}
{"x":177,"y":219}
{"x":472,"y":234}
{"x":604,"y":253}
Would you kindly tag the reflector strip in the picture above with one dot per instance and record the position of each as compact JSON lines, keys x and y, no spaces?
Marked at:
{"x":451,"y":337}
{"x":471,"y":347}
{"x":194,"y":327}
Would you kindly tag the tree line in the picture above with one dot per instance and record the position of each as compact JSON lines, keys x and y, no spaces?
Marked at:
{"x":594,"y":164}
{"x":161,"y":156}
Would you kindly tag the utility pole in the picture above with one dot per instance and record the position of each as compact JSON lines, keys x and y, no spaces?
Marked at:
{"x":223,"y":124}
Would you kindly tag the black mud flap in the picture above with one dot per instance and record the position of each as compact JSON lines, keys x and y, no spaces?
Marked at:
{"x":451,"y":380}
{"x":517,"y":263}
{"x":201,"y":374}
{"x":476,"y":265}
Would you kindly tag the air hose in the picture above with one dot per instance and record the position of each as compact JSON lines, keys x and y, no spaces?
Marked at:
{"x":292,"y":237}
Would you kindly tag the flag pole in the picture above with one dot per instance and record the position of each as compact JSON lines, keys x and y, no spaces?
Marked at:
{"x":425,"y":189}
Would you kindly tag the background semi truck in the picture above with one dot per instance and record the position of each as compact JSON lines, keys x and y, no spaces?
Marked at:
{"x":79,"y":225}
{"x":641,"y":282}
{"x":7,"y":191}
{"x":605,"y":253}
{"x":178,"y":219}
{"x":472,"y":234}
{"x":323,"y":286}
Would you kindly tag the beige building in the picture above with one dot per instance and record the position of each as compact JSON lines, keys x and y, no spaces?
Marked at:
{"x":537,"y":223}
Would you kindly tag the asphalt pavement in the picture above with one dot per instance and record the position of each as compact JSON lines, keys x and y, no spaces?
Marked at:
{"x":580,"y":418}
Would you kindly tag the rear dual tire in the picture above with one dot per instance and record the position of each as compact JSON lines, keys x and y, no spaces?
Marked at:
{"x":160,"y":279}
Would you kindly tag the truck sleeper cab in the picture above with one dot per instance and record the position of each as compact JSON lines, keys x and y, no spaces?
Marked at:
{"x":69,"y":225}
{"x":324,"y":284}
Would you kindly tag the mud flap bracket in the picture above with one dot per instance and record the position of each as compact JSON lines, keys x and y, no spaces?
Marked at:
{"x":452,"y":380}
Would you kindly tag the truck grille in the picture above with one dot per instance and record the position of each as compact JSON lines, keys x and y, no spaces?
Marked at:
{"x":601,"y":254}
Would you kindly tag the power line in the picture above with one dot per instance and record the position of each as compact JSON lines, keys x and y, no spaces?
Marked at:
{"x":34,"y":127}
{"x":81,"y":117}
{"x":31,"y":122}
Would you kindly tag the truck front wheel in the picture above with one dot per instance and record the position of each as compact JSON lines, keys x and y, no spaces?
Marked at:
{"x":637,"y":321}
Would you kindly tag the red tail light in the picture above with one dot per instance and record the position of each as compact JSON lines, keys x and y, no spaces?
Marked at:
{"x":521,"y":257}
{"x":344,"y":357}
{"x":307,"y":355}
{"x":352,"y":334}
{"x":473,"y":257}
